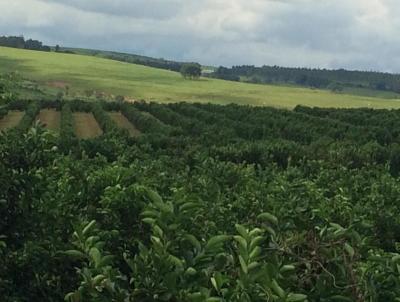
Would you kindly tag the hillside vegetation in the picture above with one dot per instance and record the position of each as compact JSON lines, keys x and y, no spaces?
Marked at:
{"x":334,"y":80}
{"x":86,"y":73}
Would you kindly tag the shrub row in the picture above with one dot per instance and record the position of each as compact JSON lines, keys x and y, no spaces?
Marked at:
{"x":104,"y":120}
{"x":143,"y":121}
{"x":3,"y":112}
{"x":170,"y":117}
{"x":67,"y":133}
{"x":30,"y":114}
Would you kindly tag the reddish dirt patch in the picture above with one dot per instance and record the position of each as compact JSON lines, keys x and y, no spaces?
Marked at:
{"x":11,"y":120}
{"x":124,"y":123}
{"x":86,"y":125}
{"x":50,"y":118}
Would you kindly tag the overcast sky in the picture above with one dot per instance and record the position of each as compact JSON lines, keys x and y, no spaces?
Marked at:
{"x":352,"y":34}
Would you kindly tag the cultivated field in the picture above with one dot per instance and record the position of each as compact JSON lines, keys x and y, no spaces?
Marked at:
{"x":298,"y":205}
{"x":11,"y":120}
{"x":123,"y":123}
{"x":50,"y":119}
{"x":85,"y":125}
{"x":82,"y":73}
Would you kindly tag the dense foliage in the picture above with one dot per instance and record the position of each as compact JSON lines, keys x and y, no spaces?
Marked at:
{"x":211,"y":203}
{"x":191,"y":71}
{"x":318,"y":78}
{"x":20,"y":42}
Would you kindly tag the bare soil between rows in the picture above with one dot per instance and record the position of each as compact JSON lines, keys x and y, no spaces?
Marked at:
{"x":86,"y":126}
{"x":50,"y":118}
{"x":124,"y":123}
{"x":11,"y":120}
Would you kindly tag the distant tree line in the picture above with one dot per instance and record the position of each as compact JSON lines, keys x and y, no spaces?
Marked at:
{"x":317,"y":78}
{"x":137,"y":59}
{"x":128,"y":58}
{"x":147,"y":61}
{"x":20,"y":42}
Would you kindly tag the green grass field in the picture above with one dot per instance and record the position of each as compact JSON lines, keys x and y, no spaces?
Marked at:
{"x":80,"y":73}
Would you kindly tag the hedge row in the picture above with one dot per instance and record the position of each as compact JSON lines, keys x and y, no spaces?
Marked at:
{"x":143,"y":121}
{"x":104,"y":120}
{"x":30,"y":114}
{"x":67,"y":133}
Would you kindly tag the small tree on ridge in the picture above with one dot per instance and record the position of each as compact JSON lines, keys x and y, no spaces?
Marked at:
{"x":191,"y":71}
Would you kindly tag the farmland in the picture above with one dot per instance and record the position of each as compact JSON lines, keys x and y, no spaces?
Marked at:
{"x":208,"y":203}
{"x":56,"y":71}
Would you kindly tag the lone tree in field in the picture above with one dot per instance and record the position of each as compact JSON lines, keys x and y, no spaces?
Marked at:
{"x":191,"y":71}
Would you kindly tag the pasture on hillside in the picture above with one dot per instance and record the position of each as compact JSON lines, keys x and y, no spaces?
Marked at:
{"x":84,"y":73}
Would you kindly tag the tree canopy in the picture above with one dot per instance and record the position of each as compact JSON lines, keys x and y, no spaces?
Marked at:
{"x":316,"y":78}
{"x":20,"y":42}
{"x":191,"y":71}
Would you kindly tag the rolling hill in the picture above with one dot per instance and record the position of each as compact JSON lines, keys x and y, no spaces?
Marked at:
{"x":82,"y":73}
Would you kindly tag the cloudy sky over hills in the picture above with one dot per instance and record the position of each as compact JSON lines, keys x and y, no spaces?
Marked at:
{"x":353,"y":34}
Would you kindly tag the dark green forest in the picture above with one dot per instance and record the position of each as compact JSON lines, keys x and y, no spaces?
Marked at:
{"x":210,"y":203}
{"x":20,"y":42}
{"x":334,"y":80}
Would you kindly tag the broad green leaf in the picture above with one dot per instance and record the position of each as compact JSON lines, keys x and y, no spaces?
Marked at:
{"x":277,"y":289}
{"x":256,"y":241}
{"x":349,"y":249}
{"x":242,"y":242}
{"x":243,"y":265}
{"x":268,"y":217}
{"x":106,"y":260}
{"x":255,"y":252}
{"x":287,"y":268}
{"x":188,"y":206}
{"x":95,"y":254}
{"x":75,"y":254}
{"x":214,"y":283}
{"x":98,"y":279}
{"x":154,"y":196}
{"x":242,"y":231}
{"x":193,"y":241}
{"x":150,"y":221}
{"x":191,"y":271}
{"x":88,"y":228}
{"x":216,"y":240}
{"x":296,"y":297}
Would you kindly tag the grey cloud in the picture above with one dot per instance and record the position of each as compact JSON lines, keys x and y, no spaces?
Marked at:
{"x":142,"y":9}
{"x":357,"y":34}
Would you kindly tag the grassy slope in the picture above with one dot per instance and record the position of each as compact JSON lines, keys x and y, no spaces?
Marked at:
{"x":141,"y":82}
